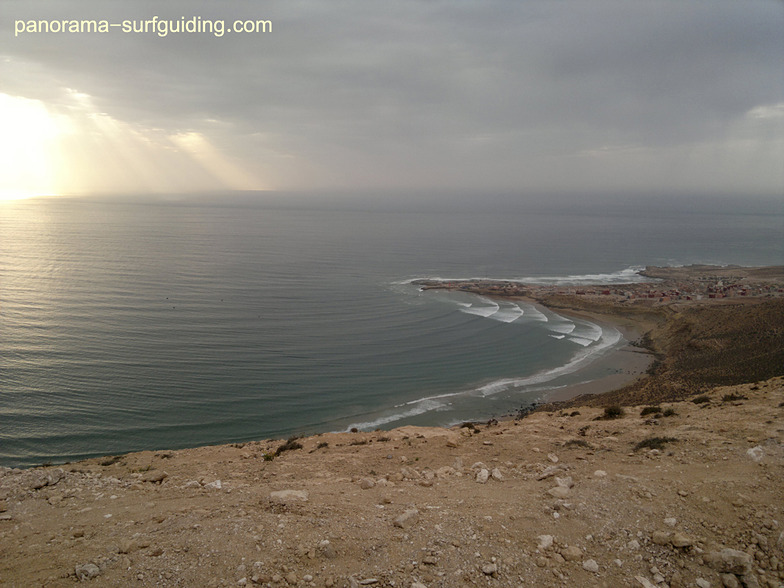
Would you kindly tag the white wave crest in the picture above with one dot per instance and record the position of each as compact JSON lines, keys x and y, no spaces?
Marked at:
{"x":610,"y":336}
{"x":563,"y":328}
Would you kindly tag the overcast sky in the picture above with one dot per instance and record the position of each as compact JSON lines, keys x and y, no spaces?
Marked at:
{"x":380,"y":95}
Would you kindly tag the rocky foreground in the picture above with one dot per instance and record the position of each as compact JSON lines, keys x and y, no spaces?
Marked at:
{"x":689,"y":493}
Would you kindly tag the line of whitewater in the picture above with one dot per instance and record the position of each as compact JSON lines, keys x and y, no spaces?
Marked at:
{"x":598,"y":341}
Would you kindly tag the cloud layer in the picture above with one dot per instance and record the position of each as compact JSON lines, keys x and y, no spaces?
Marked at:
{"x":418,"y":95}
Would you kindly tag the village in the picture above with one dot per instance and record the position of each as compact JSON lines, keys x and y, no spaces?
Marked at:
{"x":662,"y":285}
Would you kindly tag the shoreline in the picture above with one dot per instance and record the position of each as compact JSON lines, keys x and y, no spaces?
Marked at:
{"x":627,"y":362}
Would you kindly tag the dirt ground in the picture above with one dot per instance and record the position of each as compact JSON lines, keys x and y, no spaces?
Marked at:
{"x":554,"y":499}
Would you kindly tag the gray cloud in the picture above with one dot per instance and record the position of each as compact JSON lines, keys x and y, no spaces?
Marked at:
{"x":501,"y":94}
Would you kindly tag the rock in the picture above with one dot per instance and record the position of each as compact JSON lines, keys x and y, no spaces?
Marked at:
{"x":756,"y":453}
{"x":490,"y":569}
{"x":729,"y":581}
{"x":565,"y":482}
{"x":366,"y":483}
{"x":41,"y":479}
{"x":326,"y":550}
{"x":681,"y":540}
{"x":572,"y":553}
{"x":559,"y":492}
{"x":644,"y":582}
{"x":670,"y":521}
{"x":497,"y":475}
{"x":87,"y":571}
{"x":478,"y":466}
{"x":549,"y":471}
{"x":289,"y":496}
{"x":445,"y":472}
{"x":590,"y":565}
{"x":482,"y":476}
{"x":155,"y":477}
{"x":126,"y":546}
{"x":291,"y":578}
{"x":418,"y":585}
{"x":552,"y":457}
{"x":660,"y":538}
{"x":545,"y":542}
{"x":600,"y":474}
{"x":730,"y":561}
{"x":216,"y":485}
{"x":702,"y":583}
{"x":407,"y":519}
{"x":429,"y":560}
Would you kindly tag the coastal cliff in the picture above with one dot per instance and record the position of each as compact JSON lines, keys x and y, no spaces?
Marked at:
{"x":678,"y":494}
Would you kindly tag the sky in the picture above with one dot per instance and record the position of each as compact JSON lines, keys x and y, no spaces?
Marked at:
{"x":381,"y":96}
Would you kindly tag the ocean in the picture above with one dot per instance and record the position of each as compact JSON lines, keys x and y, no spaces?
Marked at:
{"x":130,"y":325}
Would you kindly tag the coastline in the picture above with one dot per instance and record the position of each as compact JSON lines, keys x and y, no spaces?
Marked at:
{"x":664,"y":488}
{"x":626,"y":364}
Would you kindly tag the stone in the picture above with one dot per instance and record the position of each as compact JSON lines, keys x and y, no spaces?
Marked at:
{"x":572,"y":553}
{"x":216,"y":485}
{"x":490,"y":569}
{"x":366,"y":483}
{"x":559,"y":492}
{"x":730,"y":561}
{"x":756,"y":453}
{"x":326,"y":550}
{"x":288,"y":496}
{"x":645,"y":582}
{"x":600,"y":474}
{"x":87,"y":571}
{"x":681,"y":540}
{"x":670,"y":521}
{"x":590,"y":565}
{"x":155,"y":477}
{"x":702,"y":583}
{"x":482,"y":476}
{"x":549,"y":471}
{"x":497,"y":475}
{"x":729,"y":581}
{"x":445,"y":472}
{"x":126,"y":546}
{"x":418,"y":585}
{"x":408,"y":518}
{"x":565,"y":482}
{"x":660,"y":538}
{"x":545,"y":542}
{"x":552,"y":457}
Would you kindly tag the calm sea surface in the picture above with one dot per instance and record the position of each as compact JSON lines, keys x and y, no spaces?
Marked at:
{"x":167,"y":325}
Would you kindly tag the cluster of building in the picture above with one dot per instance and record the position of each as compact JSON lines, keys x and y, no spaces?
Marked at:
{"x":646,"y":292}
